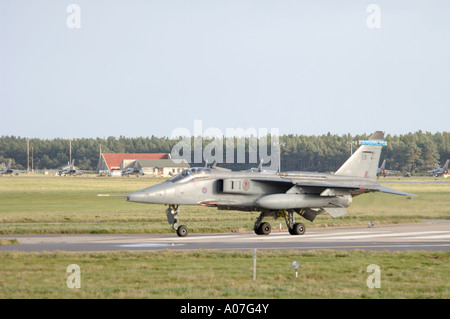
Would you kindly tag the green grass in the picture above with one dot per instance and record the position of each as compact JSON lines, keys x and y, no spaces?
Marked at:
{"x":49,"y":204}
{"x":213,"y":274}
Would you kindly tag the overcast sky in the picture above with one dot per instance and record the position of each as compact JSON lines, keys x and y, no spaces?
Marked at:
{"x":142,"y":68}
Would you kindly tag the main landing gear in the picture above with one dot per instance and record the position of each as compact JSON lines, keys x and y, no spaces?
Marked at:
{"x":264,"y":228}
{"x":172,"y":218}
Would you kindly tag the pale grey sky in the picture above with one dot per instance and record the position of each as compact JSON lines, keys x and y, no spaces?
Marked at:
{"x":142,"y":68}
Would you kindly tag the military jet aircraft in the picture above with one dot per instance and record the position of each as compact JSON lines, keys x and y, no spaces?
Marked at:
{"x":438,"y":171}
{"x":70,"y":170}
{"x":132,"y":171}
{"x":6,"y":169}
{"x":273,"y":194}
{"x":382,"y":171}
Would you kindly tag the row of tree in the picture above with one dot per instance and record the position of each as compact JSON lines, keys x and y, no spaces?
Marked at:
{"x":412,"y":152}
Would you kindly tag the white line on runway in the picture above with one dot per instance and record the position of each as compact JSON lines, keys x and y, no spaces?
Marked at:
{"x":433,"y":237}
{"x":386,"y":235}
{"x":197,"y":238}
{"x":147,"y":245}
{"x":272,"y":236}
{"x":326,"y":236}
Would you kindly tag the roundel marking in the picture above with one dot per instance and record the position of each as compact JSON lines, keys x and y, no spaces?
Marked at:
{"x":204,"y":190}
{"x":246,"y":185}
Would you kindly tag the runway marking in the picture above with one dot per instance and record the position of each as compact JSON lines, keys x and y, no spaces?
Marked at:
{"x":272,"y":237}
{"x":147,"y":245}
{"x":197,"y":238}
{"x":387,"y":235}
{"x":361,"y":245}
{"x":433,"y":237}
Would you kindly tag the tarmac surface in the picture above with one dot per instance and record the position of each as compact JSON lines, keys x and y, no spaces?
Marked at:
{"x":433,"y":235}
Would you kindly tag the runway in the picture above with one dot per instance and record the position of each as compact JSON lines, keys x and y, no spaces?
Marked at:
{"x":428,"y":236}
{"x":415,"y":182}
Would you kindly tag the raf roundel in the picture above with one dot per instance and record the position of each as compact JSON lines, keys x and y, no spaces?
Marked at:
{"x":204,"y":190}
{"x":246,"y":185}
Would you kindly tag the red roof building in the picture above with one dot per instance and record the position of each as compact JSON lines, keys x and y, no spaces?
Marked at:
{"x":113,"y":161}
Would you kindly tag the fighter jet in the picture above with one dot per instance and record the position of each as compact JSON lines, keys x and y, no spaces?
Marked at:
{"x":273,"y":194}
{"x":132,"y":171}
{"x":261,"y":169}
{"x":70,"y":170}
{"x":439,"y":171}
{"x":381,"y":171}
{"x":6,"y":169}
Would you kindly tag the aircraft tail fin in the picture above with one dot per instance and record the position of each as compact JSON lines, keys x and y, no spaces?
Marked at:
{"x":364,"y":162}
{"x":446,"y":165}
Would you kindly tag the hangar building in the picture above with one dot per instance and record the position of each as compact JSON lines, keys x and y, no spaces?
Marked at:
{"x":156,"y":164}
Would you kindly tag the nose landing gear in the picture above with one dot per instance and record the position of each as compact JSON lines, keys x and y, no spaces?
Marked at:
{"x":182,"y":231}
{"x":172,"y":217}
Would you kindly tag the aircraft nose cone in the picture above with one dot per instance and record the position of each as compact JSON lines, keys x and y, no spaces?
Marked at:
{"x":154,"y":194}
{"x":138,"y":196}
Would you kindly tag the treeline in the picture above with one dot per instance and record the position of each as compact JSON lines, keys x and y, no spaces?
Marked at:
{"x":413,"y":152}
{"x":55,"y":153}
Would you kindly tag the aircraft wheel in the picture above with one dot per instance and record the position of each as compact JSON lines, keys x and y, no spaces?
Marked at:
{"x":264,"y":229}
{"x":298,"y":229}
{"x":182,"y":231}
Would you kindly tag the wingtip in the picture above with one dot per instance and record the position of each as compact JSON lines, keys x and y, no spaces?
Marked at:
{"x":388,"y":190}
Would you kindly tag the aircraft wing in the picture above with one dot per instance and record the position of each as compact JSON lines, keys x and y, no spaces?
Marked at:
{"x":17,"y":171}
{"x":324,"y":185}
{"x":333,"y":186}
{"x":359,"y":190}
{"x":388,"y":190}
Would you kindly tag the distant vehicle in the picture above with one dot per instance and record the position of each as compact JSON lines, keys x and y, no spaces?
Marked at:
{"x":132,"y":171}
{"x":382,"y":171}
{"x":273,"y":194}
{"x":439,"y":171}
{"x":70,"y":170}
{"x":6,"y":169}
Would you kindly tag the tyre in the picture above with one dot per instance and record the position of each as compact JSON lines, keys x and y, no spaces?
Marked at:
{"x":298,"y":229}
{"x":264,"y":229}
{"x":182,"y":231}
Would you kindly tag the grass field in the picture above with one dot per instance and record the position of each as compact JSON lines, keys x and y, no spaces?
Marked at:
{"x":49,"y":204}
{"x":213,"y":274}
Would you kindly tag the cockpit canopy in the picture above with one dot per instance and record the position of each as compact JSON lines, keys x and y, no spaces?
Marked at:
{"x":190,"y":173}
